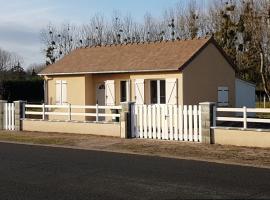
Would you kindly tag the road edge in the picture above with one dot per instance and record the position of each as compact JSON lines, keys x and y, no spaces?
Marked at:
{"x":138,"y":154}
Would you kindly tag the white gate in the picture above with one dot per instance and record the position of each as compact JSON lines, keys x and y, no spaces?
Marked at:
{"x":9,"y":119}
{"x":168,"y":122}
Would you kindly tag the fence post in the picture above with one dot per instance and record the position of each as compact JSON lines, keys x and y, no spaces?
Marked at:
{"x":214,"y":116}
{"x":127,"y":120}
{"x":97,"y":112}
{"x":207,"y":121}
{"x":19,"y":114}
{"x":245,"y":117}
{"x":69,"y":112}
{"x":43,"y":111}
{"x":2,"y":112}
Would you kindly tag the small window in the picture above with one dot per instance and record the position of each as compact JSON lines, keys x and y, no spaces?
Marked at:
{"x":223,"y":96}
{"x":158,"y":91}
{"x":124,"y":91}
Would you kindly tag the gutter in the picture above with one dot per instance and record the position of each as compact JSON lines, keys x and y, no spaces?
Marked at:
{"x":106,"y":72}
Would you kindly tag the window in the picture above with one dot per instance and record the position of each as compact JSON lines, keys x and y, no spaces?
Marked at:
{"x":223,"y":96}
{"x":61,"y":92}
{"x":158,"y":91}
{"x":124,"y":91}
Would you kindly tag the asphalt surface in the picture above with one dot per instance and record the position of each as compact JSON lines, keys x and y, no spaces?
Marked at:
{"x":32,"y":172}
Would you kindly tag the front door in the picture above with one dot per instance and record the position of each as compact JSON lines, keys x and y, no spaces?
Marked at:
{"x":100,"y":98}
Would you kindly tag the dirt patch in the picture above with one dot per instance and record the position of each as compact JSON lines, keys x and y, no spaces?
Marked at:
{"x":259,"y":157}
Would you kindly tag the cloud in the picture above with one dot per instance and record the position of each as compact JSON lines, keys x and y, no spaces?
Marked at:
{"x":20,"y":26}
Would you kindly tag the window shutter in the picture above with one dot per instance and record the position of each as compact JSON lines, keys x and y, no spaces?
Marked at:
{"x":64,"y":92}
{"x":223,"y":96}
{"x":139,"y":91}
{"x":110,"y":93}
{"x":58,"y":92}
{"x":171,"y":91}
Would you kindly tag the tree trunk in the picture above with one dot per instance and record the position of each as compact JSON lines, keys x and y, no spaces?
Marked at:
{"x":264,"y":77}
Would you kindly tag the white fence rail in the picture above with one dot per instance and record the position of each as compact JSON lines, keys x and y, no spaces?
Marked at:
{"x":244,"y":119}
{"x":168,"y":122}
{"x":68,"y":111}
{"x":9,"y":120}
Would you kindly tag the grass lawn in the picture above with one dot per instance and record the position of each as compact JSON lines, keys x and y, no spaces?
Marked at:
{"x":261,"y":105}
{"x":263,"y":115}
{"x":34,"y":139}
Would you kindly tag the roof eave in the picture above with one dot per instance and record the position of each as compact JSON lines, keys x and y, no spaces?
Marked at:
{"x":107,"y":72}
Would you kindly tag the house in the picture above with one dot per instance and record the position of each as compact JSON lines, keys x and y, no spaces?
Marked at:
{"x":169,"y":72}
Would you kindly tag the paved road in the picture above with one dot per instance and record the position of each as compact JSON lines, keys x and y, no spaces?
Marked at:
{"x":32,"y":172}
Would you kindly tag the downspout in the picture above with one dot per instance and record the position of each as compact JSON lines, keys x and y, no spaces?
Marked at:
{"x":45,"y":89}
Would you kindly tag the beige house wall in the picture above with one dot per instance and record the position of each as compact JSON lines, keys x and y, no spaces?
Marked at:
{"x":76,"y":94}
{"x":101,"y":78}
{"x":202,"y":77}
{"x":249,"y":138}
{"x":81,"y":90}
{"x":75,"y":89}
{"x":102,"y":129}
{"x":155,"y":76}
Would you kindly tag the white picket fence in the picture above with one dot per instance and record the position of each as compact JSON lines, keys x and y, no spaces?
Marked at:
{"x":68,"y":110}
{"x":168,"y":122}
{"x":9,"y":120}
{"x":244,"y":118}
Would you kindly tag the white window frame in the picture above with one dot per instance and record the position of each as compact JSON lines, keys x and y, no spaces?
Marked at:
{"x":158,"y":91}
{"x":127,"y":91}
{"x":63,"y":100}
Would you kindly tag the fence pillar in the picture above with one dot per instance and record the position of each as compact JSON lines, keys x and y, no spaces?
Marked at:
{"x":207,"y":121}
{"x":126,"y":120}
{"x":2,"y":117}
{"x":19,"y":114}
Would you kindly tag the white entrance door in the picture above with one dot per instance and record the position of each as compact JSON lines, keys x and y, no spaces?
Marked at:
{"x":100,"y":98}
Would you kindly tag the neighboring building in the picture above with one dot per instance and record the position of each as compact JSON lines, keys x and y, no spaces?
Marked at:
{"x":245,"y":93}
{"x":168,"y":72}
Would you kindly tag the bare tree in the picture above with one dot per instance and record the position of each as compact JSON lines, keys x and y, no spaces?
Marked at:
{"x":35,"y":68}
{"x":5,"y":58}
{"x":58,"y":41}
{"x":8,"y":60}
{"x":245,"y":36}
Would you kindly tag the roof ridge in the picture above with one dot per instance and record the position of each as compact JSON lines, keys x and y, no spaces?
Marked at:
{"x":150,"y":42}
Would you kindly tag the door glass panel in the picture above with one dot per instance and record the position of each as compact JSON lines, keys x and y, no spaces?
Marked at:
{"x":153,"y":89}
{"x":123,"y":91}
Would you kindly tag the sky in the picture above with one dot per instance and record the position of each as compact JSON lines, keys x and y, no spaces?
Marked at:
{"x":22,"y":20}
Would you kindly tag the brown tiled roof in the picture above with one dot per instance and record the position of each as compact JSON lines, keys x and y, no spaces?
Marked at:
{"x":154,"y":56}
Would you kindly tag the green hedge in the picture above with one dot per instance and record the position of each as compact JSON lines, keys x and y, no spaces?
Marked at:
{"x":27,"y":90}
